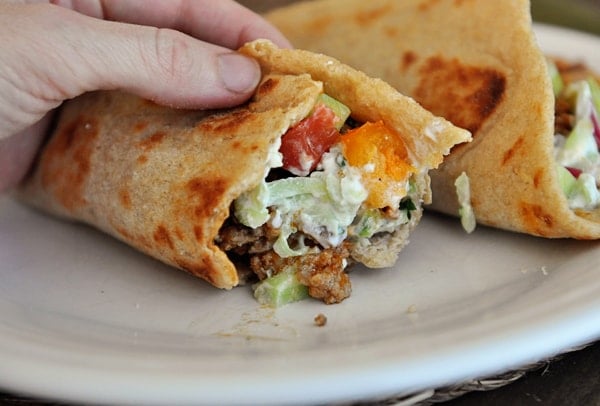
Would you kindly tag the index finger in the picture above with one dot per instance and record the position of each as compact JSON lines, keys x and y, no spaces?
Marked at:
{"x":222,"y":22}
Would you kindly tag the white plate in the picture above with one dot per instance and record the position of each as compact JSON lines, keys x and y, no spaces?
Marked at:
{"x":84,"y":317}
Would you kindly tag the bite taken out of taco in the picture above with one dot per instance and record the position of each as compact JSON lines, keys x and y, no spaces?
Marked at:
{"x":324,"y":167}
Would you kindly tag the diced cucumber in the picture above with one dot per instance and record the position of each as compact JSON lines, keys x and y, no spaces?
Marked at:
{"x":566,"y":180}
{"x":595,"y":90}
{"x":585,"y":194}
{"x":580,"y":146}
{"x":341,"y":110}
{"x":280,"y":289}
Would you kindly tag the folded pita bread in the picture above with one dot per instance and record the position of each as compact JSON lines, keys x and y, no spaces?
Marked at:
{"x":166,"y":181}
{"x":476,"y":63}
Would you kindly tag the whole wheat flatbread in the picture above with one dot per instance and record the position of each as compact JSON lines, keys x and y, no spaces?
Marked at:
{"x":163,"y":180}
{"x":476,"y":63}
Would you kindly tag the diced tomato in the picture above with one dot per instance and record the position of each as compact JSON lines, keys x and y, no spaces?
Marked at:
{"x":303,"y":145}
{"x":381,"y":155}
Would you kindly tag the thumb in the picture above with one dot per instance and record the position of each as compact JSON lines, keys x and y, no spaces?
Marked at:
{"x":161,"y":64}
{"x":169,"y":67}
{"x":50,"y":54}
{"x":59,"y":54}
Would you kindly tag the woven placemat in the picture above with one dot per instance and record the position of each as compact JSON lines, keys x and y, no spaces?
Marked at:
{"x":430,"y":397}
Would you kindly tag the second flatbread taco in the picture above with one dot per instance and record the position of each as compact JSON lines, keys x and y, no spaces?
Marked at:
{"x":476,"y":63}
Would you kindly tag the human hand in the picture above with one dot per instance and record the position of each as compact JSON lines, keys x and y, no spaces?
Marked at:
{"x":177,"y":53}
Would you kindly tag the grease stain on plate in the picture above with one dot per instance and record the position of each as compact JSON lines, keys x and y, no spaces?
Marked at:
{"x":261,"y":324}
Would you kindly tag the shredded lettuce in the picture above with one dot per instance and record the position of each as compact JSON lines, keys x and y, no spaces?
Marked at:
{"x":566,"y":180}
{"x":578,"y":153}
{"x":585,"y":194}
{"x":580,"y":95}
{"x":251,"y":207}
{"x":580,"y":149}
{"x":465,"y":211}
{"x":321,"y":205}
{"x":595,"y":93}
{"x":581,"y":191}
{"x":369,"y":221}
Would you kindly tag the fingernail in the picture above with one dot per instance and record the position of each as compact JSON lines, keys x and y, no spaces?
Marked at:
{"x":239,"y":73}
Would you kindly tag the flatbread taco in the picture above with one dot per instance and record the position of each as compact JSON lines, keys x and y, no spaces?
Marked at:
{"x":323,"y":168}
{"x":476,"y":63}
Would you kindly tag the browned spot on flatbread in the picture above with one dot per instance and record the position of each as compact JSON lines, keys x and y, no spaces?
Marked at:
{"x":510,"y":153}
{"x":390,"y":32}
{"x":178,"y":233}
{"x":241,"y":148}
{"x":427,"y":4}
{"x":140,"y":126}
{"x":206,"y":194}
{"x":142,"y":159}
{"x":366,"y":17}
{"x":226,"y":124}
{"x":152,"y":141}
{"x":408,"y":59}
{"x":465,"y":95}
{"x":535,"y":219}
{"x":538,"y":177}
{"x":162,"y":238}
{"x":65,"y":163}
{"x":125,"y":198}
{"x":123,"y":233}
{"x":266,"y":87}
{"x":199,"y":233}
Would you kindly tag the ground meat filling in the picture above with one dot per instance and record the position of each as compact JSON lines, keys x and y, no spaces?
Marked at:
{"x":563,"y":117}
{"x":572,"y":72}
{"x":241,"y":240}
{"x":322,"y":271}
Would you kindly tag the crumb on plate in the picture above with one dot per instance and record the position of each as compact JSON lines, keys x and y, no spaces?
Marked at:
{"x":320,"y":320}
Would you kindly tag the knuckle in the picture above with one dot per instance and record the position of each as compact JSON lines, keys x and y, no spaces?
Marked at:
{"x":172,"y":54}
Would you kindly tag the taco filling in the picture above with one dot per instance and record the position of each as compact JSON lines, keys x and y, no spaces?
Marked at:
{"x":333,"y":188}
{"x":577,"y":134}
